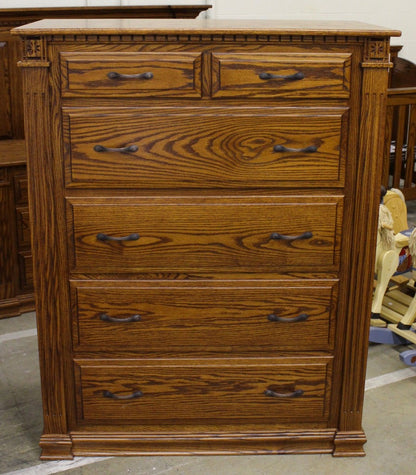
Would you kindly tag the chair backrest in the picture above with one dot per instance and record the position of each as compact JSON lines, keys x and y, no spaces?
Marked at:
{"x":394,"y":201}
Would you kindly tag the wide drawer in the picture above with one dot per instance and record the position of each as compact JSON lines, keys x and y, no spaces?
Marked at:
{"x":259,"y":75}
{"x":221,"y":148}
{"x":131,"y":74}
{"x":184,"y":318}
{"x":201,"y":234}
{"x":190,"y":391}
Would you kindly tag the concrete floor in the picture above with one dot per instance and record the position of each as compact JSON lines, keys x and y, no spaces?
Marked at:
{"x":389,"y":422}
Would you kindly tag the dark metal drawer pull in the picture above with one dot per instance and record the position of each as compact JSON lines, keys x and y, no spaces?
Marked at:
{"x":106,"y":318}
{"x":105,"y":237}
{"x":277,"y":236}
{"x":290,"y":77}
{"x":134,"y":395}
{"x":282,"y":148}
{"x":130,"y":148}
{"x":115,"y":75}
{"x":299,"y":318}
{"x":271,"y":393}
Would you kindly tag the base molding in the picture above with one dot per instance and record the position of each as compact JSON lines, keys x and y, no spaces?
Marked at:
{"x":349,"y":444}
{"x":15,"y":306}
{"x":290,"y":442}
{"x":327,"y":441}
{"x":56,"y":447}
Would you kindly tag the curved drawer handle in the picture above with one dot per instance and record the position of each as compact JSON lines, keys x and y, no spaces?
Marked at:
{"x":115,"y":75}
{"x":271,"y":393}
{"x":299,"y":318}
{"x":111,"y":395}
{"x":106,"y":318}
{"x":291,"y":77}
{"x":105,"y":237}
{"x":284,"y":237}
{"x":282,"y":148}
{"x":130,"y":148}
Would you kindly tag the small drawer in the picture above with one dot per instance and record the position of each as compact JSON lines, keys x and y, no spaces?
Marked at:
{"x":131,"y":74}
{"x":4,"y":180}
{"x":202,"y":318}
{"x":20,"y":189}
{"x":291,"y":75}
{"x":25,"y":270}
{"x":23,"y":227}
{"x":205,"y":235}
{"x":174,"y":391}
{"x":215,"y":149}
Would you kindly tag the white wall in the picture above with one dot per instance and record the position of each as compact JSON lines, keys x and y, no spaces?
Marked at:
{"x":399,"y":14}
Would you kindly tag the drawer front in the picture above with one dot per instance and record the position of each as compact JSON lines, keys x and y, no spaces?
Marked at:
{"x":23,"y":227}
{"x":225,"y":148}
{"x":223,"y":391}
{"x":131,"y":74}
{"x":259,"y":75}
{"x":182,"y":318}
{"x":25,"y":270}
{"x":213,"y":235}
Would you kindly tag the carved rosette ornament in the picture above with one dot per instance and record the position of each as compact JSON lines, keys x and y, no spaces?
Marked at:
{"x":33,"y":48}
{"x":377,"y":53}
{"x":34,"y":52}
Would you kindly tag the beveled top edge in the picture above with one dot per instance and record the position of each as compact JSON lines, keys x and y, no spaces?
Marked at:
{"x":143,"y":26}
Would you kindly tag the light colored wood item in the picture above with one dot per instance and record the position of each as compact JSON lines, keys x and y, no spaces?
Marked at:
{"x":387,"y":254}
{"x":391,"y":309}
{"x":208,"y":203}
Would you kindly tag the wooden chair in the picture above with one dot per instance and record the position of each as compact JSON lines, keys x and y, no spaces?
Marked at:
{"x":399,"y":166}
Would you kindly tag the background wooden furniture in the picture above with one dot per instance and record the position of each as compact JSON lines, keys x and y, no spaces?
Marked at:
{"x":16,"y":289}
{"x":16,"y":280}
{"x":206,"y":186}
{"x":399,"y":150}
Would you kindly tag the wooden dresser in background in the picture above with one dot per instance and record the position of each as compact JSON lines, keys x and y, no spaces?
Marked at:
{"x":205,"y":200}
{"x":16,"y":286}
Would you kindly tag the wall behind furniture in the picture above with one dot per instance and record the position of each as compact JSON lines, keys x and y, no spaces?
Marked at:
{"x":398,"y":14}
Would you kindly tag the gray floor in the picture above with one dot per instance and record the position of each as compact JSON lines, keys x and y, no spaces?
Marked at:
{"x":389,"y":422}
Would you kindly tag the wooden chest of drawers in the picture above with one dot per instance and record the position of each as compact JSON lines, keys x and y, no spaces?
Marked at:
{"x":16,"y":275}
{"x":204,"y":198}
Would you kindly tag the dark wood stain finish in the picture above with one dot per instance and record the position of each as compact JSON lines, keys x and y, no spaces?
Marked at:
{"x":203,"y":282}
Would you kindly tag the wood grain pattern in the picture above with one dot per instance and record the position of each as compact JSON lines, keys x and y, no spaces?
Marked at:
{"x":197,"y":319}
{"x":210,"y":391}
{"x":293,"y":31}
{"x":238,"y":75}
{"x":365,"y":221}
{"x":203,"y":270}
{"x":199,"y":149}
{"x":19,"y":296}
{"x":262,"y":441}
{"x":174,"y":74}
{"x":184,"y":235}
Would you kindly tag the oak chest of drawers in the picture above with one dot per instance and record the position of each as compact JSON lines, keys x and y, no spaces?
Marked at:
{"x":204,"y":198}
